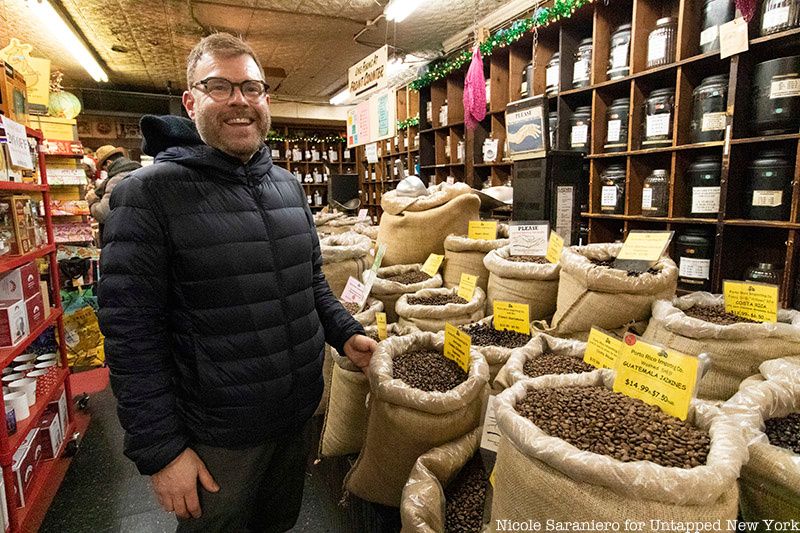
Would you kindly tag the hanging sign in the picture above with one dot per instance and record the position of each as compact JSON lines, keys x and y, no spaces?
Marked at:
{"x":354,"y":292}
{"x":372,"y":120}
{"x":529,"y":238}
{"x":18,"y":147}
{"x":733,"y":38}
{"x":369,"y":74}
{"x":756,"y":301}
{"x":456,"y":346}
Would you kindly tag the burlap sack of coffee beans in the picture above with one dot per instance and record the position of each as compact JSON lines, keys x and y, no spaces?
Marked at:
{"x":388,"y":291}
{"x":541,"y":347}
{"x":423,"y":502}
{"x":366,"y":317}
{"x":736,"y":350}
{"x":405,"y":422}
{"x":591,"y":295}
{"x":434,"y":317}
{"x":366,"y":229}
{"x":345,"y":423}
{"x":343,"y":256}
{"x":414,"y":228}
{"x":342,"y":225}
{"x":535,"y":284}
{"x":537,"y":475}
{"x":495,"y":354}
{"x":770,"y":480}
{"x":463,"y":255}
{"x":320,"y":219}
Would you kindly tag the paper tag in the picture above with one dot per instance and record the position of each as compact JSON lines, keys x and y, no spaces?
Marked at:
{"x":529,"y":238}
{"x":512,"y":316}
{"x":645,"y":245}
{"x":619,"y":56}
{"x":380,"y":321}
{"x":775,"y":17}
{"x":565,"y":203}
{"x":767,"y":198}
{"x":456,"y":346}
{"x":482,"y":230}
{"x":714,"y":121}
{"x":371,"y":151}
{"x":554,"y":247}
{"x":490,"y":434}
{"x":432,"y":264}
{"x":695,"y":268}
{"x":614,"y":130}
{"x":354,"y":292}
{"x":733,"y":38}
{"x":466,"y":287}
{"x":705,"y":199}
{"x":551,"y":76}
{"x":362,"y":214}
{"x":647,"y":199}
{"x":786,"y":88}
{"x":658,"y":125}
{"x":608,"y":196}
{"x":379,"y":257}
{"x":580,"y":71}
{"x":656,"y":48}
{"x":451,"y":180}
{"x":709,"y":35}
{"x":657,"y":376}
{"x":580,"y":135}
{"x":756,"y":301}
{"x":602,"y":350}
{"x":276,"y":154}
{"x":523,"y":87}
{"x":18,"y":147}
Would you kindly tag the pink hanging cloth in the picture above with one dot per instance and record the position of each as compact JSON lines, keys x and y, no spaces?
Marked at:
{"x":474,"y":91}
{"x":747,"y":7}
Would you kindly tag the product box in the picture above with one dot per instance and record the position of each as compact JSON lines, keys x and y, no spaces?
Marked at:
{"x":13,"y":94}
{"x":44,"y":290}
{"x":17,"y":217}
{"x":24,"y":466}
{"x":50,"y":435}
{"x":21,"y":283}
{"x":66,"y":176}
{"x":13,"y":322}
{"x":60,"y":406}
{"x":63,"y":129}
{"x":34,"y":307}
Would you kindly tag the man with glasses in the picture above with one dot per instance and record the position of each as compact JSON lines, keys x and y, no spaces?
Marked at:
{"x":214,"y":306}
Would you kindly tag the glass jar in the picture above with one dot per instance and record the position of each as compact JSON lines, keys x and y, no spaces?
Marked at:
{"x":715,"y":14}
{"x":776,"y":96}
{"x":655,"y":194}
{"x":769,"y":188}
{"x":579,"y":125}
{"x":709,"y":101}
{"x":612,"y":191}
{"x":779,"y":15}
{"x":617,"y":117}
{"x":583,"y":64}
{"x":619,"y":55}
{"x":661,"y":42}
{"x":695,"y":250}
{"x":527,"y":81}
{"x":553,"y":75}
{"x":658,"y":118}
{"x":552,"y":123}
{"x":703,"y":177}
{"x":764,"y":273}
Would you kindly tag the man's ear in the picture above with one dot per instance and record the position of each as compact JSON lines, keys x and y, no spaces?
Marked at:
{"x":188,"y":103}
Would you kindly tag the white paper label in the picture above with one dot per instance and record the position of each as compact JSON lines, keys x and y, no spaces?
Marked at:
{"x":695,"y":268}
{"x":619,"y":56}
{"x":705,"y":200}
{"x":354,"y":291}
{"x":581,"y":71}
{"x":565,"y":196}
{"x":733,"y":38}
{"x":714,"y":121}
{"x":552,"y":76}
{"x":580,"y":134}
{"x":656,"y":48}
{"x":658,"y":125}
{"x":297,"y":155}
{"x":18,"y":147}
{"x":529,"y":238}
{"x":709,"y":35}
{"x":608,"y":197}
{"x":775,"y":17}
{"x":785,"y":88}
{"x":371,"y":151}
{"x":276,"y":154}
{"x":647,"y":199}
{"x":333,"y":156}
{"x":362,"y":214}
{"x":490,"y":437}
{"x":614,"y":129}
{"x":523,"y":88}
{"x":767,"y":198}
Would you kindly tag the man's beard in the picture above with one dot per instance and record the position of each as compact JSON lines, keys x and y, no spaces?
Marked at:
{"x":209,"y":126}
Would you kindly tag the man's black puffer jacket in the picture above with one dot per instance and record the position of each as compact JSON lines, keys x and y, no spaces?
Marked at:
{"x":213,"y":303}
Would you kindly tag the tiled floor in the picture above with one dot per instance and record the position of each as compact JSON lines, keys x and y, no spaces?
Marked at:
{"x":103,"y":491}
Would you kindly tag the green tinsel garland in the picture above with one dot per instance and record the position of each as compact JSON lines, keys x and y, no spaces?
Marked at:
{"x":409,"y":123}
{"x":501,"y":38}
{"x":278,"y":137}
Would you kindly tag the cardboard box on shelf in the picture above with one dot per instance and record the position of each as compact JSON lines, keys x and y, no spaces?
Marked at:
{"x":21,"y":283}
{"x":60,"y":406}
{"x":50,"y":435}
{"x":66,"y":176}
{"x":60,"y":129}
{"x":13,"y":94}
{"x":17,"y":217}
{"x":34,"y":307}
{"x":44,"y":290}
{"x":24,"y":465}
{"x":13,"y":322}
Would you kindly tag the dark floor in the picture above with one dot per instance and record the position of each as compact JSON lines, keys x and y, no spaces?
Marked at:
{"x":103,"y":491}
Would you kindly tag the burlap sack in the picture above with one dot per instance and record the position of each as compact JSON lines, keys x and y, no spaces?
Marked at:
{"x":342,"y":225}
{"x":364,"y":228}
{"x":404,"y":422}
{"x":423,"y":502}
{"x":389,"y":291}
{"x":546,"y":478}
{"x":605,"y":297}
{"x":367,"y":315}
{"x":320,"y":219}
{"x":736,"y":351}
{"x":525,"y":283}
{"x":496,"y":356}
{"x":770,"y":480}
{"x":414,"y":228}
{"x":463,"y":255}
{"x":343,"y":256}
{"x":434,"y":317}
{"x":513,"y":370}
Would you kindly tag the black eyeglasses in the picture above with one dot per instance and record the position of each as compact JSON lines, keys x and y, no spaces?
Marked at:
{"x":220,"y":89}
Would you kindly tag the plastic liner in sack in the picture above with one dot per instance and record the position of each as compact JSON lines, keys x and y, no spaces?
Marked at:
{"x":496,"y":356}
{"x":422,"y":509}
{"x":345,"y":424}
{"x":343,"y":256}
{"x":528,"y":283}
{"x":609,"y":298}
{"x":783,"y":369}
{"x":390,"y":291}
{"x":404,"y":422}
{"x":434,"y":317}
{"x":465,"y":255}
{"x":540,"y":476}
{"x":513,"y":370}
{"x":414,"y":228}
{"x":736,"y":350}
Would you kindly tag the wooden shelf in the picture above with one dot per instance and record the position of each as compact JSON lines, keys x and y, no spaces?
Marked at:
{"x":490,"y":165}
{"x":767,"y":138}
{"x":639,"y":218}
{"x":8,"y":354}
{"x":11,"y":262}
{"x":761,"y":223}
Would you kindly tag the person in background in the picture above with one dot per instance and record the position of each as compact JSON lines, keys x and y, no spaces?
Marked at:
{"x":214,"y":306}
{"x":117,"y":167}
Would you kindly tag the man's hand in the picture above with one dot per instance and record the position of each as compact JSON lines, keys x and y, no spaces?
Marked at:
{"x":359,"y":350}
{"x":176,"y":484}
{"x":91,"y":197}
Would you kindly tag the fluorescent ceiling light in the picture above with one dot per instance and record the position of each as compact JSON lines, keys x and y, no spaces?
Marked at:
{"x":341,"y":97}
{"x":398,"y":10}
{"x":56,"y":26}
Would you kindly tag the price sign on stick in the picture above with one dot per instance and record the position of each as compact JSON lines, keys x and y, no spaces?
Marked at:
{"x":483,"y":230}
{"x":380,"y":320}
{"x":602,"y":350}
{"x":642,"y":249}
{"x":756,"y":301}
{"x":354,"y":292}
{"x":529,"y":238}
{"x":512,"y":316}
{"x":432,"y":264}
{"x":554,"y":247}
{"x":17,"y":141}
{"x":456,"y":346}
{"x":466,"y":287}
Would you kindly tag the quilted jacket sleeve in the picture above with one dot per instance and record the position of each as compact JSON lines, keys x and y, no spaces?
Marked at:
{"x":133,"y":294}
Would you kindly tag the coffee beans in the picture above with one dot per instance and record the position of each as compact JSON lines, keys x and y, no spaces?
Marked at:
{"x":407,"y":278}
{"x":486,"y":335}
{"x":601,"y":421}
{"x":785,"y":432}
{"x":465,"y":497}
{"x":527,"y":259}
{"x":352,"y":308}
{"x":439,"y":299}
{"x":716,"y":315}
{"x":428,"y":371}
{"x":632,"y":273}
{"x":553,"y":363}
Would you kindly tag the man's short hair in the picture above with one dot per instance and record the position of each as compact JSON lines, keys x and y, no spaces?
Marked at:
{"x":219,"y":44}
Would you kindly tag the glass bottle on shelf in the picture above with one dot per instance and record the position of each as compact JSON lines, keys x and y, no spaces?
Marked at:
{"x":443,"y":114}
{"x":617,"y":117}
{"x":769,"y":188}
{"x":715,"y":14}
{"x":552,"y":124}
{"x":764,"y":273}
{"x":655,"y":194}
{"x":709,"y":101}
{"x":580,"y":122}
{"x":658,"y":118}
{"x":661,"y":42}
{"x":612,"y":192}
{"x":695,"y":250}
{"x":703,"y":177}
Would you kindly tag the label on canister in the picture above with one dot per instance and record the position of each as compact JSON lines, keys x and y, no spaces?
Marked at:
{"x":695,"y":268}
{"x":785,"y":88}
{"x":608,"y":197}
{"x":767,"y":198}
{"x":714,"y":121}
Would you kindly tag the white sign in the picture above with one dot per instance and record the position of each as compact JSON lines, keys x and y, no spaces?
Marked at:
{"x":354,"y":292}
{"x":369,"y":74}
{"x":490,"y":437}
{"x":372,"y":120}
{"x":529,"y":238}
{"x":614,"y":130}
{"x":705,"y":199}
{"x":362,"y":214}
{"x":18,"y":147}
{"x":733,"y":38}
{"x":695,"y":268}
{"x":371,"y":151}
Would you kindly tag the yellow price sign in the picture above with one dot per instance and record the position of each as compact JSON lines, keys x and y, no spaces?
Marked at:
{"x":456,"y":346}
{"x":756,"y":301}
{"x":645,"y":245}
{"x":512,"y":316}
{"x":491,"y":477}
{"x":380,"y":320}
{"x":657,"y":376}
{"x":466,"y":286}
{"x":554,"y":247}
{"x":432,"y":264}
{"x":483,"y":230}
{"x":602,"y":350}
